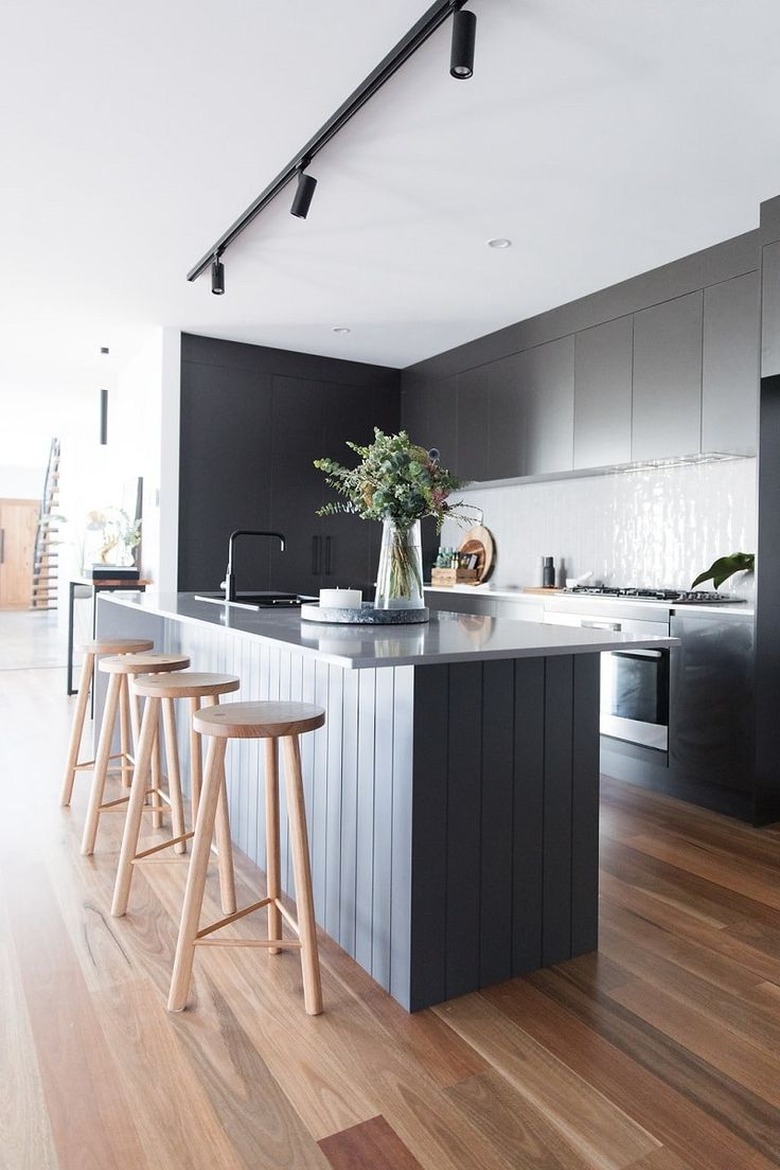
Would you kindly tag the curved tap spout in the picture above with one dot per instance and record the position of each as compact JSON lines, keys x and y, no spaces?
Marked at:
{"x":229,"y":584}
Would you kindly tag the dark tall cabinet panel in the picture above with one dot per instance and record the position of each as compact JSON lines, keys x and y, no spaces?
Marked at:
{"x":547,"y":405}
{"x":667,"y":379}
{"x":253,"y":420}
{"x":732,"y":348}
{"x":603,"y":359}
{"x":506,"y":429}
{"x":224,"y":474}
{"x":473,"y":418}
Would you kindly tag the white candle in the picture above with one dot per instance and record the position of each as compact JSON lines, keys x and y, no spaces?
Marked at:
{"x":340,"y":599}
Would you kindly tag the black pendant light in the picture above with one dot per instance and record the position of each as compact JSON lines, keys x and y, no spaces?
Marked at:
{"x":304,"y":193}
{"x":217,"y":277}
{"x":464,"y":34}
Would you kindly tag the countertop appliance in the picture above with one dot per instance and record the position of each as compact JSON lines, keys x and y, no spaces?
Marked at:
{"x":672,"y":596}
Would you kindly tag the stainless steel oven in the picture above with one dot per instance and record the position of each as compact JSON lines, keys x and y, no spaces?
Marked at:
{"x":634,"y":682}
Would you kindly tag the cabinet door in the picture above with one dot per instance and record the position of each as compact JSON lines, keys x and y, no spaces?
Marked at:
{"x":506,"y":433}
{"x":547,"y":406}
{"x":602,"y":394}
{"x":297,"y":487}
{"x":225,"y":474}
{"x":729,"y":407}
{"x":666,"y":417}
{"x":473,"y":415}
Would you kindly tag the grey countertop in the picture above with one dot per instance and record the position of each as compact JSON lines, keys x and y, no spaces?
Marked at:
{"x":447,"y":637}
{"x":559,"y":599}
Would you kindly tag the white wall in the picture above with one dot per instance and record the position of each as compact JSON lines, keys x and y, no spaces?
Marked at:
{"x":648,"y":527}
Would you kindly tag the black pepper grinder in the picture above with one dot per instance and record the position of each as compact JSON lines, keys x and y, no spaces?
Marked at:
{"x":548,"y":573}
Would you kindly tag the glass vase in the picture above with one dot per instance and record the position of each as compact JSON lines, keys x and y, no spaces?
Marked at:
{"x":399,"y":582}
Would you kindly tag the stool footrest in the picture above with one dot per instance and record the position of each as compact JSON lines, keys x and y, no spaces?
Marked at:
{"x":277,"y":943}
{"x":200,"y":936}
{"x":142,"y":856}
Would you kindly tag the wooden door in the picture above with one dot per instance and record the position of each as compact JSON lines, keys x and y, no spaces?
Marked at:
{"x":18,"y":528}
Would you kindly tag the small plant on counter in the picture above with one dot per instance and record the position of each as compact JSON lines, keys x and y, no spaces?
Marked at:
{"x":399,"y":483}
{"x":724,"y":567}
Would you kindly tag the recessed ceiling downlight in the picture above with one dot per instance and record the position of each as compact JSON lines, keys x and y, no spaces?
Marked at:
{"x":341,"y":329}
{"x":499,"y":242}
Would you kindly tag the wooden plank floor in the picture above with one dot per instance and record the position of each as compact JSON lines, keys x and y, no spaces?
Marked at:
{"x":659,"y":1052}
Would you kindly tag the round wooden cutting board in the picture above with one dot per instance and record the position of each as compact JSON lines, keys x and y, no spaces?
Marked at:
{"x":479,"y":540}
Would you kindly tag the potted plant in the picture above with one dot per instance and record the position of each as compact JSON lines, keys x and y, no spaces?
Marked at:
{"x":399,"y":483}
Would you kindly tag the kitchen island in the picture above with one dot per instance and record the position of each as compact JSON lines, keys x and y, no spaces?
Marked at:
{"x":452,"y":795}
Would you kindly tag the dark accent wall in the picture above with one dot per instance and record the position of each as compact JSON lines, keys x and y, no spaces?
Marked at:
{"x":252,"y":421}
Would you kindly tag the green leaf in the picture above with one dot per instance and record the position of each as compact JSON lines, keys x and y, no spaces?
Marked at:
{"x":725,"y":567}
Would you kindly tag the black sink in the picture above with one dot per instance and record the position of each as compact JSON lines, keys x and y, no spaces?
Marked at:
{"x":262,"y":598}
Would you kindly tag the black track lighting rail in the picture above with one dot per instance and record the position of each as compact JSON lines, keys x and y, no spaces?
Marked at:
{"x":428,"y":23}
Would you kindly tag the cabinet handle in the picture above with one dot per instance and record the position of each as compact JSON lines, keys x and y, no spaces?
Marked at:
{"x":315,"y":556}
{"x":328,"y":569}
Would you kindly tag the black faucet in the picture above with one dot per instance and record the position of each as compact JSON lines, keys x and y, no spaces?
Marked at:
{"x":229,"y":584}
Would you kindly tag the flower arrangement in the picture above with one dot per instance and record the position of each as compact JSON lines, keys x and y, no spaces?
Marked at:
{"x":119,"y":535}
{"x":400,"y":483}
{"x":395,"y":480}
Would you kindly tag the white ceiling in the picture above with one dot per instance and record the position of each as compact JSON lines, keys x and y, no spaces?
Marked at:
{"x":603,"y":137}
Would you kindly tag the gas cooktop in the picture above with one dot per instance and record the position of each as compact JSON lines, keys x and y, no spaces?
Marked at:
{"x":677,"y":596}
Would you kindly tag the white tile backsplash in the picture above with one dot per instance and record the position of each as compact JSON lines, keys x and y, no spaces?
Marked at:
{"x":653,"y":526}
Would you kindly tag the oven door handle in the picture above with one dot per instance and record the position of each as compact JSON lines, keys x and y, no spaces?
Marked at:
{"x":638,"y":653}
{"x":585,"y":624}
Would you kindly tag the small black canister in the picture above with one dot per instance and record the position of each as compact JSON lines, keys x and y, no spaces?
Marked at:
{"x":548,"y":573}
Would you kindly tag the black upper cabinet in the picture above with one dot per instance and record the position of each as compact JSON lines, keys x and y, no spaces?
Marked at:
{"x":473,"y":390}
{"x":602,"y":394}
{"x":667,"y":379}
{"x":729,"y":399}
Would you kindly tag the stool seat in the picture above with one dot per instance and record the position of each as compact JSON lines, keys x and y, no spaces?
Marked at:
{"x":160,"y":691}
{"x":261,"y":720}
{"x":143,"y":663}
{"x":91,"y":650}
{"x":276,"y":723}
{"x":121,"y":667}
{"x":189,"y":684}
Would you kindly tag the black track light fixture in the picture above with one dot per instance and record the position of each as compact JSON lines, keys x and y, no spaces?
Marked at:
{"x":464,"y":26}
{"x":304,"y":193}
{"x":464,"y":34}
{"x":217,"y":276}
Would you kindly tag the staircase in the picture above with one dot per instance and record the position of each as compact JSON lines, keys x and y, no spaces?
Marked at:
{"x":44,"y":588}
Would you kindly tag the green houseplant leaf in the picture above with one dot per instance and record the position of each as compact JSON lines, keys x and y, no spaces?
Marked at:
{"x":724,"y":567}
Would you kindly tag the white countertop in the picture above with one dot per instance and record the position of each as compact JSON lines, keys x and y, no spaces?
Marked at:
{"x":553,"y":597}
{"x":447,"y":637}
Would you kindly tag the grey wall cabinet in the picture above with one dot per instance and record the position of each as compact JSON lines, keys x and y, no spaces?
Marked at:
{"x":666,"y":417}
{"x":473,"y":399}
{"x":506,"y":431}
{"x":546,"y":389}
{"x":730,"y":375}
{"x":603,"y":359}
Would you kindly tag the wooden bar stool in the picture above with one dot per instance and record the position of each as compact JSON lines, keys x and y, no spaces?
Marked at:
{"x":120,"y":668}
{"x":161,"y":690}
{"x":91,"y":650}
{"x":272,"y":722}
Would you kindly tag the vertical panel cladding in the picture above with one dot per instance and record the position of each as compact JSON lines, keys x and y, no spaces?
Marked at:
{"x":401,"y":856}
{"x":347,"y":862}
{"x":384,"y":781}
{"x":497,"y":772}
{"x":527,"y":814}
{"x":429,"y":837}
{"x":585,"y":805}
{"x":557,"y":830}
{"x":364,"y":872}
{"x":333,"y":814}
{"x":464,"y":828}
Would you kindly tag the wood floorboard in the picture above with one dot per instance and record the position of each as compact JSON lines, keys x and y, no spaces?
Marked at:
{"x":661,"y":1051}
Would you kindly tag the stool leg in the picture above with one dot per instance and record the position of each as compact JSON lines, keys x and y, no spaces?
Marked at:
{"x":101,"y":764}
{"x":135,"y":807}
{"x":272,"y":849}
{"x":174,"y":775}
{"x":196,"y":876}
{"x":77,"y":730}
{"x":196,"y":761}
{"x":310,"y":963}
{"x":227,"y":880}
{"x":124,"y":733}
{"x":157,"y":804}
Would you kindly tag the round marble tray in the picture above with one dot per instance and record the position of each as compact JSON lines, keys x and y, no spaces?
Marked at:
{"x":365,"y":616}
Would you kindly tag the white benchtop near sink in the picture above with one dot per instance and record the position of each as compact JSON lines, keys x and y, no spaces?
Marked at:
{"x":447,"y":637}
